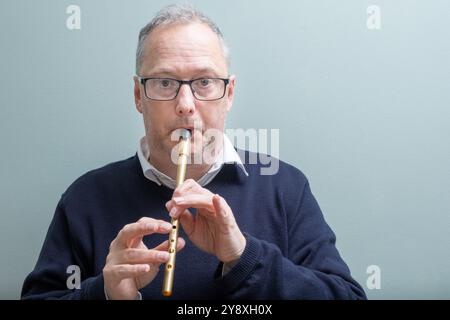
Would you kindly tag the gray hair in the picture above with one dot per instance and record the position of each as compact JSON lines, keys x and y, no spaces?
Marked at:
{"x":177,"y":13}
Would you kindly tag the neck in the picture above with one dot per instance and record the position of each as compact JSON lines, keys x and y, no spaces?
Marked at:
{"x":193,"y":171}
{"x":163,"y":163}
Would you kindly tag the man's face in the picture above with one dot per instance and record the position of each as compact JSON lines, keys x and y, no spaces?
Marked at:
{"x":183,"y":52}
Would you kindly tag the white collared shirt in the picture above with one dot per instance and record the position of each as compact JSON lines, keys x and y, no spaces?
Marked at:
{"x":227,"y":155}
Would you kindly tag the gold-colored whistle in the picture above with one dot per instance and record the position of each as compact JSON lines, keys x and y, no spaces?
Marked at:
{"x":183,"y":154}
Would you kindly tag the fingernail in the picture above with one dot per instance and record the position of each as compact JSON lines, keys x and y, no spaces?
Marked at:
{"x":166,"y":226}
{"x":178,"y":200}
{"x":173,"y":212}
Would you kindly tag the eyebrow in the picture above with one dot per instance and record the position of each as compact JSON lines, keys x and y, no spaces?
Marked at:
{"x":172,"y":72}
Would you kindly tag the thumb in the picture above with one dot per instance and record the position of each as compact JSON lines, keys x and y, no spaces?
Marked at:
{"x":187,"y":221}
{"x":221,"y":207}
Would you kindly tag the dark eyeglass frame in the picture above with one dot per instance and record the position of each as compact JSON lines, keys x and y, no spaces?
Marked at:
{"x":181,"y":82}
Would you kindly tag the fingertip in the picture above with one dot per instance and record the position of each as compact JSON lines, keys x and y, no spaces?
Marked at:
{"x":162,"y":256}
{"x":178,"y":200}
{"x":144,"y":268}
{"x":216,"y":200}
{"x":174,"y":212}
{"x":166,"y":226}
{"x":181,"y":243}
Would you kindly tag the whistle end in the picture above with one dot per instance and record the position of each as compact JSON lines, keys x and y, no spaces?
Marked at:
{"x":167,"y":293}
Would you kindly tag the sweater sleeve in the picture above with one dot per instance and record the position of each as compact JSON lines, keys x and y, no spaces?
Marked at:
{"x":49,"y":278}
{"x":311,"y":269}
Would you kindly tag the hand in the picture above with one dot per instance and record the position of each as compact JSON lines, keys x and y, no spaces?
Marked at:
{"x":130,"y":265}
{"x":214,"y":228}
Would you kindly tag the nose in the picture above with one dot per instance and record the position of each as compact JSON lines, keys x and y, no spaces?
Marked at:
{"x":185,"y":101}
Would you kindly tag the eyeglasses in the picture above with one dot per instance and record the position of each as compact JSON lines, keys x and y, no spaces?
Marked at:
{"x":166,"y":89}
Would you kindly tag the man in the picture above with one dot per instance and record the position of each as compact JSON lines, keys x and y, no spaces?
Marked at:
{"x":244,"y":235}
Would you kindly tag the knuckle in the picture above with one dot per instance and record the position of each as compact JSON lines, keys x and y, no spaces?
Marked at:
{"x":140,"y":225}
{"x":124,"y":230}
{"x":191,"y":184}
{"x":106,"y":269}
{"x":153,"y":254}
{"x":145,"y":220}
{"x":120,"y":271}
{"x":108,"y":259}
{"x":147,"y":226}
{"x":128,"y":227}
{"x":129,"y":255}
{"x":112,"y":245}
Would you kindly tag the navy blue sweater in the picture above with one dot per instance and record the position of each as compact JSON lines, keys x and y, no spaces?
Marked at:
{"x":290,"y":252}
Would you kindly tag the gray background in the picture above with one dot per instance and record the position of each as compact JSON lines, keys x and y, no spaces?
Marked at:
{"x":363,"y":113}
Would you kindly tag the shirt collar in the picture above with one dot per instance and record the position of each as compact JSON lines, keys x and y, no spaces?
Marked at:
{"x":227,"y":155}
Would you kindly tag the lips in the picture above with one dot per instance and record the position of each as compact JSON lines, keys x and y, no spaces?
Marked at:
{"x":191,"y":129}
{"x":178,"y":132}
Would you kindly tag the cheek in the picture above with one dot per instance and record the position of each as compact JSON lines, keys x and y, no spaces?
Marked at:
{"x":214,"y":119}
{"x":155,"y":118}
{"x":148,"y":119}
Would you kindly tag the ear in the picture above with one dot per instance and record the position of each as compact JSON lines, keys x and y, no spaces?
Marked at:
{"x":230,"y":92}
{"x":137,"y":94}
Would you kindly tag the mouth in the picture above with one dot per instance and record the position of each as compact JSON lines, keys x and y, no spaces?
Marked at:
{"x":179,"y":131}
{"x":190,"y":129}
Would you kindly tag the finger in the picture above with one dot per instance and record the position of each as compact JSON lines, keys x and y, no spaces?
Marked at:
{"x":173,"y":209}
{"x":160,"y":223}
{"x":134,"y":243}
{"x":169,"y":204}
{"x":187,"y":221}
{"x":187,"y":185}
{"x":144,"y":226}
{"x":123,"y":271}
{"x":141,"y":256}
{"x":165,"y":245}
{"x":221,"y":207}
{"x":199,"y":201}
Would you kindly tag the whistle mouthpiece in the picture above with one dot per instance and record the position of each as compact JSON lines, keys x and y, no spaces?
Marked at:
{"x":185,"y":134}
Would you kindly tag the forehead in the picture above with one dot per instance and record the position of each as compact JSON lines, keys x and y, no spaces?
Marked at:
{"x":183,"y":50}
